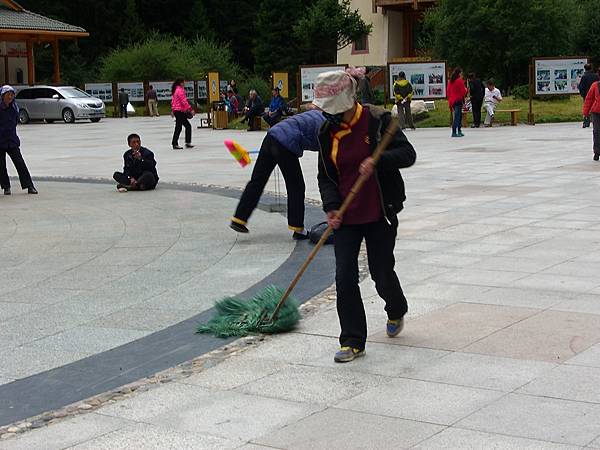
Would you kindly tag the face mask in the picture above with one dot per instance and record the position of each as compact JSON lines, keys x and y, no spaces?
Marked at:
{"x":335,"y":119}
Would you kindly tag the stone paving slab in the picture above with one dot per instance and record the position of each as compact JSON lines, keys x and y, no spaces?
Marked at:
{"x":496,"y":251}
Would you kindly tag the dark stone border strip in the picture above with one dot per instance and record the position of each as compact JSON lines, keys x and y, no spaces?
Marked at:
{"x":163,"y":349}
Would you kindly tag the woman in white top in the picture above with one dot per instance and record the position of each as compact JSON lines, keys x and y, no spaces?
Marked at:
{"x":490,"y":101}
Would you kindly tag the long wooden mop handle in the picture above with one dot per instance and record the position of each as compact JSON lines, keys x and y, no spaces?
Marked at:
{"x":356,"y":187}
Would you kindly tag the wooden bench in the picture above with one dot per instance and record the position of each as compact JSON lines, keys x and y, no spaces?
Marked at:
{"x":514,"y":116}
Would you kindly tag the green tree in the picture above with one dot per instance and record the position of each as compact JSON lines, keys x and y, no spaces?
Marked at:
{"x":587,"y":39}
{"x":197,"y":23}
{"x":276,"y":48}
{"x":498,"y":37}
{"x":326,"y":27}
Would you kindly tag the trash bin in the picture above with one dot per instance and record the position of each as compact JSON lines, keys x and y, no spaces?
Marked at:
{"x":220,"y":116}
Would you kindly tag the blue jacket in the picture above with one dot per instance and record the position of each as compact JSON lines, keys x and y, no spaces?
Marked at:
{"x":300,"y":132}
{"x":136,"y":167}
{"x":9,"y":117}
{"x":276,"y":104}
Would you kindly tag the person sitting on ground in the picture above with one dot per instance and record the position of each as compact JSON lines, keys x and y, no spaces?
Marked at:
{"x":139,"y":168}
{"x":587,"y":79}
{"x":403,"y":91}
{"x":254,"y":108}
{"x":283,"y":145}
{"x":276,"y":108}
{"x":591,"y":109}
{"x":491,"y":100}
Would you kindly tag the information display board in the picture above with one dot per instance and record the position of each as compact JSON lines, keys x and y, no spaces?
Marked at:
{"x":163,"y":89}
{"x":428,"y":79}
{"x":280,"y":80}
{"x":558,"y":76}
{"x":308,"y":77}
{"x":103,"y":91}
{"x":202,"y":92}
{"x":135,"y":90}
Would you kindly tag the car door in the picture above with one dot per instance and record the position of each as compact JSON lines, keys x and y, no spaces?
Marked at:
{"x":36,"y":104}
{"x":52,"y":106}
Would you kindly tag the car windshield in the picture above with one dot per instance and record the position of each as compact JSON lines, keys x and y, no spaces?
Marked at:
{"x":74,"y":93}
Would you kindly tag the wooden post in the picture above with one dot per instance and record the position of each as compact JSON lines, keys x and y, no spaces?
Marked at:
{"x":30,"y":65}
{"x":115,"y":95}
{"x":56,"y":60}
{"x":298,"y":91}
{"x":146,"y":85}
{"x":530,"y":116}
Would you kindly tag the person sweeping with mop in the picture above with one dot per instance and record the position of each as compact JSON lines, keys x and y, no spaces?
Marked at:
{"x":361,"y":199}
{"x":348,"y":141}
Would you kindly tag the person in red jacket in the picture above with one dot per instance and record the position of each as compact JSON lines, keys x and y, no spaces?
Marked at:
{"x":591,"y":107}
{"x":456,"y":93}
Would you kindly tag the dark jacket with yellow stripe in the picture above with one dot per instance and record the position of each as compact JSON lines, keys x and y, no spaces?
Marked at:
{"x":399,"y":154}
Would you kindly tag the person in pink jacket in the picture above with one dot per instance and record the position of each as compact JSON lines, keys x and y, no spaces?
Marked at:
{"x":456,"y":92}
{"x":182,"y":111}
{"x":591,"y":107}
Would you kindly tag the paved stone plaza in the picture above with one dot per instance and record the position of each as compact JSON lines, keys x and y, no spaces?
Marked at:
{"x":497,"y":251}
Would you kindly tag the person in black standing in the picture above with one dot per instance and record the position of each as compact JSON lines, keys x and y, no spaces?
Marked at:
{"x":477,"y":93}
{"x":10,"y":143}
{"x":588,"y":78}
{"x":139,"y":167}
{"x":123,"y":102}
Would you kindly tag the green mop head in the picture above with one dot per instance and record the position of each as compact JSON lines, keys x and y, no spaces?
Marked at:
{"x":238,"y":317}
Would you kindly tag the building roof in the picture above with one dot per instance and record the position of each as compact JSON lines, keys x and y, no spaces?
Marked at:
{"x":14,"y":17}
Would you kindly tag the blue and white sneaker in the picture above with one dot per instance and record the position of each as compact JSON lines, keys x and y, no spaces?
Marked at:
{"x":394,"y":327}
{"x":347,"y":354}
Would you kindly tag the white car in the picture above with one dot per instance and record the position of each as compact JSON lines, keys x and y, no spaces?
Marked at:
{"x":52,"y":103}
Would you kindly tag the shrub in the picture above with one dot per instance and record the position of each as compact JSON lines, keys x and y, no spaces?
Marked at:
{"x":521,"y":92}
{"x":261,"y":86}
{"x":162,"y":57}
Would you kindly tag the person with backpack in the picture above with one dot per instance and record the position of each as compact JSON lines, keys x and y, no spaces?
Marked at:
{"x":587,"y":79}
{"x":347,"y":142}
{"x":591,"y":110}
{"x":403,"y":92}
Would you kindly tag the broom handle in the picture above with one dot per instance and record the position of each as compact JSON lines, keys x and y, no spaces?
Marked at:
{"x":358,"y":184}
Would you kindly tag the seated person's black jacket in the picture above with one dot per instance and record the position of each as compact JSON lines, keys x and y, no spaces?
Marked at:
{"x":399,"y":154}
{"x":135,"y":167}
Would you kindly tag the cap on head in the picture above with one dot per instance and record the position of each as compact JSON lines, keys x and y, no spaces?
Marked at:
{"x":335,"y":92}
{"x":6,"y":88}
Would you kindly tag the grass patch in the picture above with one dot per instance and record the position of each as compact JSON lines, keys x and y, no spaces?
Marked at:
{"x":567,"y":109}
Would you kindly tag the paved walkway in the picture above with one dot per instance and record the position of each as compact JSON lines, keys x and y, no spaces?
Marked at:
{"x":497,"y":252}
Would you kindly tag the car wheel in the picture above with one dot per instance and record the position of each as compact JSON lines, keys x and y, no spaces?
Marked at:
{"x":96,"y":119}
{"x":23,"y":116}
{"x":68,"y":115}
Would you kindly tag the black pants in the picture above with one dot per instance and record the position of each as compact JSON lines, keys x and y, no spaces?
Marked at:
{"x":181,"y":120}
{"x":272,"y":154}
{"x":123,"y":111}
{"x":476,"y":104}
{"x":380,"y":238}
{"x":272,"y":120}
{"x":145,"y":182}
{"x":19,"y":162}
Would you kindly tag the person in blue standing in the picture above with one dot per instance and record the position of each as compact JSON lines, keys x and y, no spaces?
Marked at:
{"x":283,"y":145}
{"x":10,"y":143}
{"x":276,"y":108}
